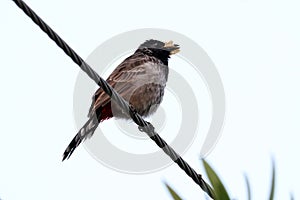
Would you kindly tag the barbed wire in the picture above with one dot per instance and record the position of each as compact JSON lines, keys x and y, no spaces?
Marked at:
{"x":144,"y":126}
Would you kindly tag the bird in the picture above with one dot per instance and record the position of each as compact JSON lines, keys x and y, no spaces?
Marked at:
{"x":140,"y":79}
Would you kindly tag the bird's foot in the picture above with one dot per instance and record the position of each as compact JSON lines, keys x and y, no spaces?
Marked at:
{"x":149,"y":129}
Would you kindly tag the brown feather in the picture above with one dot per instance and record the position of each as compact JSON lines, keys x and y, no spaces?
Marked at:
{"x":131,"y":74}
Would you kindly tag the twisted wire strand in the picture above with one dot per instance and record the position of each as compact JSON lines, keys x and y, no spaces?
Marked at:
{"x":143,"y":125}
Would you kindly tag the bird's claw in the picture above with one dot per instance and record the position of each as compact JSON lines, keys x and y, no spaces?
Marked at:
{"x":149,"y":129}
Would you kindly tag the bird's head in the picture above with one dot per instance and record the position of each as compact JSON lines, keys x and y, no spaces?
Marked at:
{"x":161,"y":50}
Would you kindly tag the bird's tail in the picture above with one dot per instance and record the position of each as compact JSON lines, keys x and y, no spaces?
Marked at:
{"x":85,"y":132}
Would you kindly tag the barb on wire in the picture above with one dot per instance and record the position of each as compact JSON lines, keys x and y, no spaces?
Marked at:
{"x":143,"y":125}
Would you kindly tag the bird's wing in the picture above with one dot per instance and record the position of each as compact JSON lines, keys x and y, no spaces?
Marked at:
{"x":132,"y":73}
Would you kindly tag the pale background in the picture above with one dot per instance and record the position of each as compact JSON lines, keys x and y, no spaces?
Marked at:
{"x":254,"y":44}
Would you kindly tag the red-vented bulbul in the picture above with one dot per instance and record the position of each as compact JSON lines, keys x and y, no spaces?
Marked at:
{"x":140,"y":79}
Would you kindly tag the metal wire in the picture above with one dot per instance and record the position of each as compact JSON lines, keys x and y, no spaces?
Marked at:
{"x":143,"y":125}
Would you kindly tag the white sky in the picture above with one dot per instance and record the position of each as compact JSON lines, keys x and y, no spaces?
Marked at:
{"x":254,"y":44}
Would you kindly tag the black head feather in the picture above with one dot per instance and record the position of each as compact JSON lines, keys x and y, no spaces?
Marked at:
{"x":158,"y":49}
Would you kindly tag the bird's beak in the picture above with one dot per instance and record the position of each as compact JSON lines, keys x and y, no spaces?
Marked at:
{"x":173,"y":48}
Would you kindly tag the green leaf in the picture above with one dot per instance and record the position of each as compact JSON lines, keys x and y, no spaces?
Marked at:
{"x":272,"y":191}
{"x":220,"y":191}
{"x":248,"y":187}
{"x":173,"y":193}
